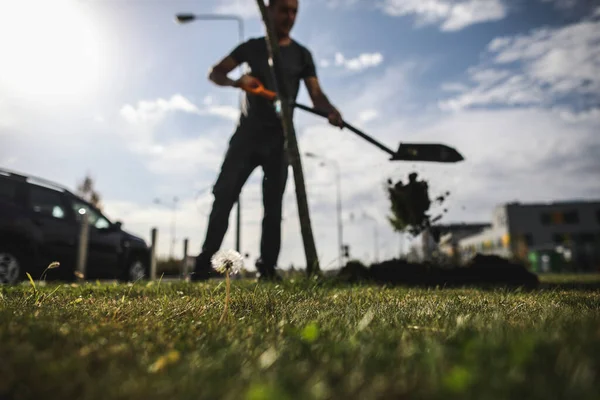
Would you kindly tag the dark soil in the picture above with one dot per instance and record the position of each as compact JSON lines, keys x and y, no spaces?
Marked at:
{"x":410,"y":205}
{"x":483,"y":270}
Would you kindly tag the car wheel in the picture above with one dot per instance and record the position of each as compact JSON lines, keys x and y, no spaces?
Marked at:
{"x":11,"y":266}
{"x":136,"y":270}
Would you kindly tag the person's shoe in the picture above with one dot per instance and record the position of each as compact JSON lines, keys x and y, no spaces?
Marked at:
{"x":267,"y":273}
{"x":202,"y":269}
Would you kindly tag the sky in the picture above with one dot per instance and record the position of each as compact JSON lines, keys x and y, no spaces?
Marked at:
{"x":117,"y":89}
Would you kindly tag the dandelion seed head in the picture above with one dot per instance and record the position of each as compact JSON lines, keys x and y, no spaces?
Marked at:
{"x":227,"y":260}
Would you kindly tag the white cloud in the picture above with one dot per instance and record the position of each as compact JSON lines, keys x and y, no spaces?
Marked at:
{"x":488,"y":77}
{"x":227,"y":112}
{"x":154,"y":111}
{"x":358,"y":63}
{"x":362,"y":61}
{"x":515,"y":91}
{"x":539,"y":68}
{"x":385,"y":88}
{"x":454,"y":87}
{"x":588,"y":115}
{"x":7,"y":116}
{"x":243,"y":8}
{"x":174,"y":155}
{"x":183,"y":156}
{"x":451,"y":15}
{"x":367,"y":115}
{"x":8,"y":161}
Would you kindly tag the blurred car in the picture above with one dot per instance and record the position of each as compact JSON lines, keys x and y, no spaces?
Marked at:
{"x":40,"y":222}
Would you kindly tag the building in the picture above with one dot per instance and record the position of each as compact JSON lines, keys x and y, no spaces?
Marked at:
{"x":448,"y":236}
{"x":517,"y":229}
{"x":443,"y":238}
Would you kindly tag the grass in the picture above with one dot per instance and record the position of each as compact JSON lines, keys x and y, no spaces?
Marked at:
{"x":299,"y":339}
{"x":571,"y":279}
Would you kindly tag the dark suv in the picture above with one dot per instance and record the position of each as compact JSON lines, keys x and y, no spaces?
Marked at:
{"x":40,"y":223}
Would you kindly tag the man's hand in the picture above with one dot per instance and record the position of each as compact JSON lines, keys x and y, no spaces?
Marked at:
{"x":335,"y":118}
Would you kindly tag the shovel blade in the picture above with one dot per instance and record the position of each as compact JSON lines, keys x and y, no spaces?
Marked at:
{"x":429,"y":152}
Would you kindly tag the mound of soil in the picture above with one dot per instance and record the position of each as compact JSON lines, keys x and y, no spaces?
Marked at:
{"x":489,"y":269}
{"x":354,"y":272}
{"x":483,"y":270}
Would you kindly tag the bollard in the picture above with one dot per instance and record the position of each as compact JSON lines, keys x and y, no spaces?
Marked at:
{"x":82,"y":247}
{"x":153,"y":242}
{"x":184,"y":262}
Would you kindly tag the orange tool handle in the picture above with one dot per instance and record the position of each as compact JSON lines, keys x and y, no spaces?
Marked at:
{"x":260,"y":90}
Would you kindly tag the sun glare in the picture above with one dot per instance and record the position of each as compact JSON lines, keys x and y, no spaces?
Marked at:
{"x":49,"y":50}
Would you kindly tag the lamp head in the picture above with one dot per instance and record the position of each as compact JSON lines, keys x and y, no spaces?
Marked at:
{"x":183,"y":18}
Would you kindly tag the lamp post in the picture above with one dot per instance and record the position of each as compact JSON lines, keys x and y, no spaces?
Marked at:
{"x":199,"y":195}
{"x":173,"y":226}
{"x":401,"y":246}
{"x":184,"y":18}
{"x":376,"y":242}
{"x":339,"y":203}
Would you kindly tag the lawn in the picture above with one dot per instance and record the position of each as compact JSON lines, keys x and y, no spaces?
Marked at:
{"x":299,"y":339}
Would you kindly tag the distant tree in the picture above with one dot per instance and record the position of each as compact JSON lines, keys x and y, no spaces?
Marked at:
{"x":86,"y":190}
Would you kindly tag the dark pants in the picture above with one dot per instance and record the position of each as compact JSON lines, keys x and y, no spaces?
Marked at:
{"x":242,"y":157}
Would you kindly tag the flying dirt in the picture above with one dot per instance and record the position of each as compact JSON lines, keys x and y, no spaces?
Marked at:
{"x":410,"y":204}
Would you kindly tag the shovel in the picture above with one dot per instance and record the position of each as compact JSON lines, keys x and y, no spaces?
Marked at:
{"x":431,"y":152}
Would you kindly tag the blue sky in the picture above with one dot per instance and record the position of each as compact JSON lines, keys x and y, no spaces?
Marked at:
{"x":117,"y":89}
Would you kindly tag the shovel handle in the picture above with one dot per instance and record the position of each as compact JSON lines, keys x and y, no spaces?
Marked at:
{"x":363,"y":135}
{"x":260,"y":90}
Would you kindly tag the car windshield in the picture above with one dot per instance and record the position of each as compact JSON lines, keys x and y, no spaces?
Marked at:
{"x":95,"y":219}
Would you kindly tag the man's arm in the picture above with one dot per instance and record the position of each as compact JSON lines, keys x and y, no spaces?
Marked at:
{"x":218,"y":73}
{"x":321,"y":102}
{"x":319,"y":99}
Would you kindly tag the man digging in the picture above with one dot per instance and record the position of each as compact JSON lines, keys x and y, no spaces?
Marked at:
{"x":259,"y":137}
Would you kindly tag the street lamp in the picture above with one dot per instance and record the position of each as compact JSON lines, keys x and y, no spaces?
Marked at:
{"x":184,"y":18}
{"x":376,"y":243}
{"x":173,"y":227}
{"x":339,"y":203}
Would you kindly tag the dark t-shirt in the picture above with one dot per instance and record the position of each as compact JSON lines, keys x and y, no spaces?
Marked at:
{"x":259,"y":116}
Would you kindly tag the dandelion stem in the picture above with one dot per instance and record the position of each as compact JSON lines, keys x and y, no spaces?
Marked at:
{"x":226,"y":308}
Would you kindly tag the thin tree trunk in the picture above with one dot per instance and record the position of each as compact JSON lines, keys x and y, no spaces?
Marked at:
{"x":291,"y":145}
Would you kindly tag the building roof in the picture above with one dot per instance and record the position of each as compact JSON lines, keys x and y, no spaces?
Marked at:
{"x":572,"y":202}
{"x":445,"y":228}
